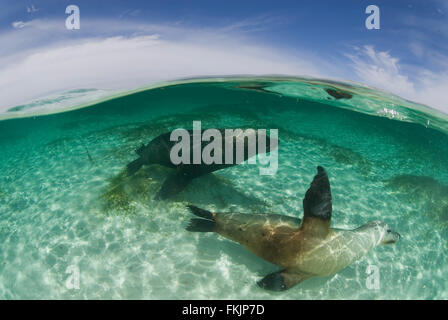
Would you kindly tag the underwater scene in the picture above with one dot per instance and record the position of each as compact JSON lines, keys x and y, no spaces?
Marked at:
{"x":75,"y":224}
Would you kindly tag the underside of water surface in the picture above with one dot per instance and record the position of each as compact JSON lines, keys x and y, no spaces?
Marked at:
{"x":66,"y":202}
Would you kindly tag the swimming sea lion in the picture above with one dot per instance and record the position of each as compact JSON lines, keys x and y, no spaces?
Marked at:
{"x":303,"y":248}
{"x":158,"y":152}
{"x":338,"y":94}
{"x":260,"y":87}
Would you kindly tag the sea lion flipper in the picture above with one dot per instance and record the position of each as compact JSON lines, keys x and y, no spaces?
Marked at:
{"x":134,"y":166}
{"x":282,"y":280}
{"x":201,"y":225}
{"x":206,"y":224}
{"x":317,"y":202}
{"x":205,"y":214}
{"x":173,"y":185}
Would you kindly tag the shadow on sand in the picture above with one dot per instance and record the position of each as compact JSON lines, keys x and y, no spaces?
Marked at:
{"x":125,"y":194}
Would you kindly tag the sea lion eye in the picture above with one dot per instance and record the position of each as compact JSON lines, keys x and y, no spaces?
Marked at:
{"x":388,"y":231}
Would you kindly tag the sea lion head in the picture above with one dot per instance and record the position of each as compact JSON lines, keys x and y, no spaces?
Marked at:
{"x":387,"y":235}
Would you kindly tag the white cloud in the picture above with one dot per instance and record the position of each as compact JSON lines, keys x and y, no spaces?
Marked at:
{"x":18,"y":24}
{"x":45,"y":58}
{"x":117,"y":62}
{"x":433,"y":90}
{"x":381,"y":70}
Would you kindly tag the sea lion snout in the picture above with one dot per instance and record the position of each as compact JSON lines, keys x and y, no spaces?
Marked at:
{"x":386,"y":234}
{"x":390,"y":236}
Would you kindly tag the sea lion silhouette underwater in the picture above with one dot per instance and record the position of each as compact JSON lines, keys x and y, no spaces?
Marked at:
{"x":158,"y":152}
{"x":303,"y":248}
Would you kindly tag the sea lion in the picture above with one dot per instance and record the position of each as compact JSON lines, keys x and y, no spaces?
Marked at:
{"x":259,"y":87}
{"x":303,"y":248}
{"x":339,"y":94}
{"x":158,"y":152}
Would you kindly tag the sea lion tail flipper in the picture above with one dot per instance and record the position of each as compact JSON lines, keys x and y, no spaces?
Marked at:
{"x":173,"y":185}
{"x":134,"y":166}
{"x":207,"y":224}
{"x":282,"y":280}
{"x":201,"y":225}
{"x":201,"y":212}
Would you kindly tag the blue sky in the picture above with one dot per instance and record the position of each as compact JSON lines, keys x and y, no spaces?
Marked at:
{"x":124,"y":44}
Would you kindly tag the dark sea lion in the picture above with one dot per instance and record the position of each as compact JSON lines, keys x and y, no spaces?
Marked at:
{"x":257,"y":87}
{"x":158,"y":152}
{"x":303,"y":248}
{"x":338,"y":94}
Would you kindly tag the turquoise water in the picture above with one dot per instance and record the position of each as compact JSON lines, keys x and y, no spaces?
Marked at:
{"x":65,"y":203}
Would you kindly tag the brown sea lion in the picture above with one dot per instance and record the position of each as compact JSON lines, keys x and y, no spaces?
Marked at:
{"x":303,"y":248}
